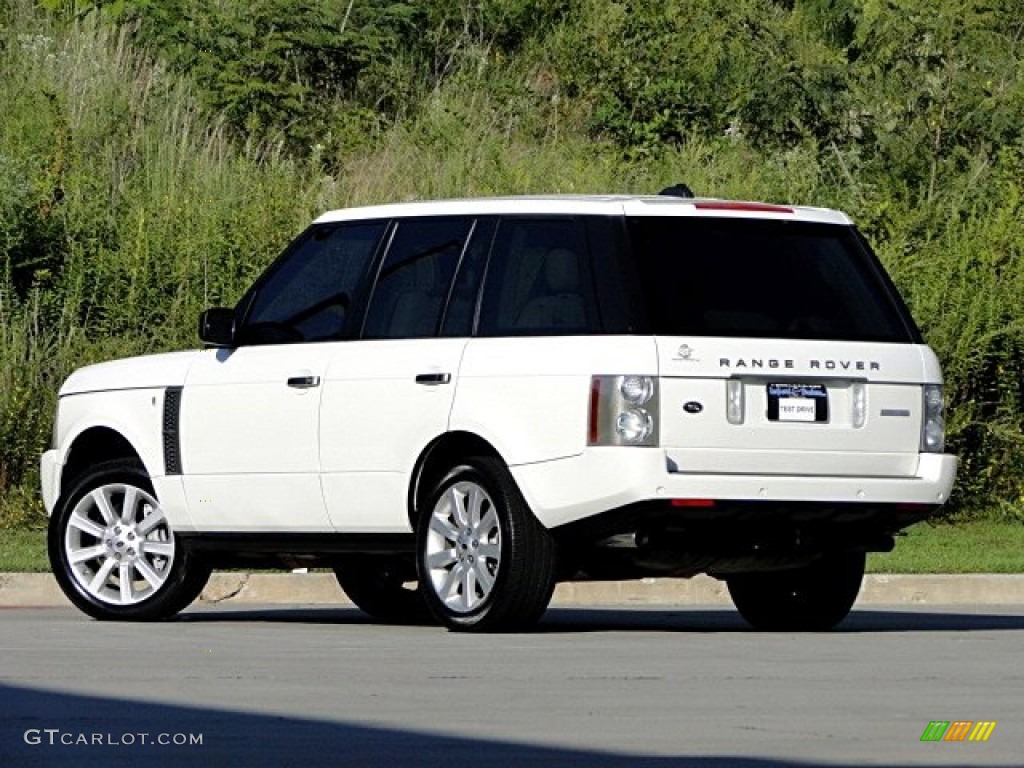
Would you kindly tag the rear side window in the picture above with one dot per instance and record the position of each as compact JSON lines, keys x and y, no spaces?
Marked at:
{"x":764,"y":279}
{"x":414,"y":279}
{"x":539,"y":280}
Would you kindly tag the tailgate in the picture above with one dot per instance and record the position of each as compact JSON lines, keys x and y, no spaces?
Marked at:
{"x":792,"y":407}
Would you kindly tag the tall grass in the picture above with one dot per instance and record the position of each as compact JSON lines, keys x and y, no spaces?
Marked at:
{"x":125,"y":209}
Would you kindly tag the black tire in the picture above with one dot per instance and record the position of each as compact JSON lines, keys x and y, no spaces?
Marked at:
{"x":180,"y":576}
{"x":377,"y":585}
{"x":514,"y":565}
{"x":814,"y":598}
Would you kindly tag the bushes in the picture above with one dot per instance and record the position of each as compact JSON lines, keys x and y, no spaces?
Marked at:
{"x":965,"y":281}
{"x":132,"y":197}
{"x":158,"y":214}
{"x":657,"y":72}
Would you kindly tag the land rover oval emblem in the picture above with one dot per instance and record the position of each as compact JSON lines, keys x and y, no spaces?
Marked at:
{"x":693,"y":407}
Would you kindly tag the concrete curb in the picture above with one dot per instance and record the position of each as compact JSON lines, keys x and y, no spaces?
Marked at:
{"x":40,"y":589}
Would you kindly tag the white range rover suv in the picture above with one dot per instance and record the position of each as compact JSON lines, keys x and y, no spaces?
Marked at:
{"x":457,"y":404}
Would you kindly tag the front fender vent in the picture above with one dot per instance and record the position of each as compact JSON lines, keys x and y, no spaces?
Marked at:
{"x":172,"y":437}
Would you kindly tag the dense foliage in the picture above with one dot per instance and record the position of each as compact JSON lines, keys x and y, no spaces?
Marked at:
{"x":154,"y":154}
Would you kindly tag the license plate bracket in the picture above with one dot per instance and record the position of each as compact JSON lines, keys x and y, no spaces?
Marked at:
{"x":800,"y":403}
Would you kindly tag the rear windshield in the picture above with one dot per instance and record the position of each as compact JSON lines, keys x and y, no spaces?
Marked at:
{"x":767,"y":279}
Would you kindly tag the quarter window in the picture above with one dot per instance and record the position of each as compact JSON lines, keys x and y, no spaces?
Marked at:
{"x":539,"y":280}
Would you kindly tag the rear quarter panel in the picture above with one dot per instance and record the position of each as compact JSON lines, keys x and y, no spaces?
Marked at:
{"x":529,"y":396}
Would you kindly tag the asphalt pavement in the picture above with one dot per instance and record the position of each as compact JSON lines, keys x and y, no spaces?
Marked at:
{"x":597,"y":686}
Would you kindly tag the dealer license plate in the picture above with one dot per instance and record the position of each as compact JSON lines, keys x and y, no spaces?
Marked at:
{"x":797,"y":402}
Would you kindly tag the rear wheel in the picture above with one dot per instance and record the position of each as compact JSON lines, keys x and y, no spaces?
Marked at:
{"x":486,"y":563}
{"x":113,"y":551}
{"x":384,"y":588}
{"x":813,"y":598}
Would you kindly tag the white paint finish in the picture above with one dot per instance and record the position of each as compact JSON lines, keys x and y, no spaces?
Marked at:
{"x":367,"y":502}
{"x":166,"y":370}
{"x":374,"y":415}
{"x":601,"y":205}
{"x":739,"y":461}
{"x":570,"y":489}
{"x":594,"y":481}
{"x":170,"y":492}
{"x":240,"y":425}
{"x":932,"y":369}
{"x":526,"y":418}
{"x":238,"y":414}
{"x":695,"y":369}
{"x":529,"y":397}
{"x":781,"y":359}
{"x":135,"y":414}
{"x":657,"y":205}
{"x":710,"y":428}
{"x":265,"y":503}
{"x":609,"y":205}
{"x":375,"y":421}
{"x":49,"y":479}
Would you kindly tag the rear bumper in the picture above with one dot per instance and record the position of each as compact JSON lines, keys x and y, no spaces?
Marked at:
{"x":602,"y":479}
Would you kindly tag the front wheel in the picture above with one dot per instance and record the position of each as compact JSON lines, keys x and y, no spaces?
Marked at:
{"x":813,"y":598}
{"x":485,"y":562}
{"x":113,"y":551}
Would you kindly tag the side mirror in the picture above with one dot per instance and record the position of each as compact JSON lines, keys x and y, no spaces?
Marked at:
{"x":217,"y":327}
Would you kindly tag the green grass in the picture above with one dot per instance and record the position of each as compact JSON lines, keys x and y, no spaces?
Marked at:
{"x":979,"y":547}
{"x":23,"y":551}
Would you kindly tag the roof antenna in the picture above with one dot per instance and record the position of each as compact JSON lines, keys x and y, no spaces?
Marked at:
{"x":677,"y":190}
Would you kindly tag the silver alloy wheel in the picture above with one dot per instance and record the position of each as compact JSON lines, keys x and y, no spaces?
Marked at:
{"x":463,"y":547}
{"x":118,"y":544}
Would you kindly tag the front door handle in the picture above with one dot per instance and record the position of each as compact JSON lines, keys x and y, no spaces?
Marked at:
{"x":303,"y":382}
{"x":433,"y":379}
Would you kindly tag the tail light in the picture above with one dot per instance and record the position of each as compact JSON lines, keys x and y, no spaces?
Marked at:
{"x":623,"y":411}
{"x":933,"y":425}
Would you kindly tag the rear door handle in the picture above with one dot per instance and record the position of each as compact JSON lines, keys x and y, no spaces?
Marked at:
{"x":303,"y":382}
{"x":433,"y":379}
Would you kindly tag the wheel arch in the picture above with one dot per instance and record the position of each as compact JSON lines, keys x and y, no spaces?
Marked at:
{"x":118,"y":424}
{"x":97,"y":444}
{"x":437,"y":459}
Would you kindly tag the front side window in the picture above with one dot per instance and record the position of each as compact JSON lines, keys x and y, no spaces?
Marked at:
{"x":539,"y":280}
{"x":307,"y":295}
{"x":412,"y":287}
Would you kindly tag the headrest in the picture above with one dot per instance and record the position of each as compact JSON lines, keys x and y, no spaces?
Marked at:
{"x":562,"y":270}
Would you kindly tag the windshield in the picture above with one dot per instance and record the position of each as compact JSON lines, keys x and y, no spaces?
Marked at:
{"x":765,"y":279}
